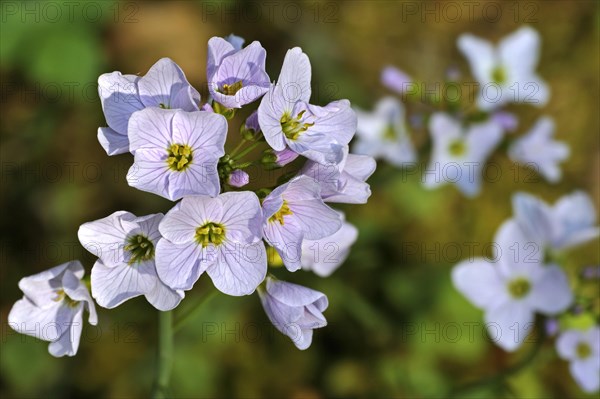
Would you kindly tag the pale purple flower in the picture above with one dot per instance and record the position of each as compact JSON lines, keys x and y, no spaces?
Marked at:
{"x":288,"y":120}
{"x":52,"y":308}
{"x":236,"y":76}
{"x":126,"y":246}
{"x":284,"y":157}
{"x":164,"y":86}
{"x":238,"y":178}
{"x":570,"y":222}
{"x":383,"y":134}
{"x":324,"y":256}
{"x":176,"y":152}
{"x":236,"y":41}
{"x":459,"y":153}
{"x":395,"y":79}
{"x":344,"y":182}
{"x":506,"y":73}
{"x":507,"y":120}
{"x":222,"y":236}
{"x":294,"y":310}
{"x":294,"y":212}
{"x":581,"y":348}
{"x":514,"y":287}
{"x":538,"y":150}
{"x":252,"y":122}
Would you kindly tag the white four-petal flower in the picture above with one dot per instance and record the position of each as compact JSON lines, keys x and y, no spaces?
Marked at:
{"x":582,"y":349}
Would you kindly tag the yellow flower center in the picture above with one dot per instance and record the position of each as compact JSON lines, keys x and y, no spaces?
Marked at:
{"x":62,"y":296}
{"x":583,"y":350}
{"x":283,"y":211}
{"x":179,"y":157}
{"x":499,"y":75}
{"x":457,"y":147}
{"x":210,"y":233}
{"x":389,"y":132}
{"x":230,"y":90}
{"x":519,"y":287}
{"x":140,"y":248}
{"x":292,"y":127}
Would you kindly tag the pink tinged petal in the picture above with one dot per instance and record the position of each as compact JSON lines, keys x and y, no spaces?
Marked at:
{"x":238,"y":178}
{"x":113,"y":142}
{"x":480,"y":283}
{"x":509,"y":324}
{"x":240,"y":268}
{"x":507,"y":120}
{"x":218,"y":48}
{"x":111,"y":286}
{"x":395,"y":79}
{"x":119,"y":97}
{"x":285,"y":157}
{"x":151,"y":128}
{"x":180,"y":265}
{"x":150,"y":172}
{"x":164,"y":298}
{"x":295,"y":76}
{"x":70,"y":320}
{"x":287,"y":240}
{"x":324,"y":256}
{"x":481,"y":56}
{"x":162,"y":84}
{"x":587,"y":374}
{"x":242,"y":216}
{"x":550,"y":292}
{"x":107,"y":237}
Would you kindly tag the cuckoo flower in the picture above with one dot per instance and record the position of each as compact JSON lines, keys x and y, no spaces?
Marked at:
{"x":294,"y":212}
{"x":176,"y":152}
{"x":236,"y":76}
{"x":221,"y":236}
{"x":324,"y":256}
{"x":459,"y":153}
{"x":52,"y":308}
{"x":294,"y":310}
{"x":538,"y":150}
{"x":395,"y":79}
{"x":506,"y":73}
{"x":582,"y":350}
{"x":344,"y":182}
{"x":288,"y":120}
{"x":383,"y":134}
{"x":125,"y":245}
{"x":164,"y":86}
{"x":570,"y":222}
{"x":514,"y":287}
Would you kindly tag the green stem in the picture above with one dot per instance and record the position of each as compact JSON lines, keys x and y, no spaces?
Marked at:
{"x":497,"y":379}
{"x":246,"y":151}
{"x":237,"y":148}
{"x":182,"y":320}
{"x":165,"y":355}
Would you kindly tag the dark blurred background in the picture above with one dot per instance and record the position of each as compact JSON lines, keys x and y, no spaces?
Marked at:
{"x":397,"y":327}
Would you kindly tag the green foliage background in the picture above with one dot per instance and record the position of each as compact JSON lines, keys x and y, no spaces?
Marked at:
{"x":397,"y":327}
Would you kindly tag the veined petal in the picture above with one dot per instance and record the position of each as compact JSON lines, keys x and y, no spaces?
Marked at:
{"x":162,"y":84}
{"x":150,"y":172}
{"x":41,"y":288}
{"x":72,"y":323}
{"x":112,"y":141}
{"x":242,"y":216}
{"x":240,"y":268}
{"x":119,"y":97}
{"x":295,"y":76}
{"x":150,"y":128}
{"x":218,"y":49}
{"x":180,"y":265}
{"x":111,"y":286}
{"x":164,"y":298}
{"x":107,"y":237}
{"x":324,"y":256}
